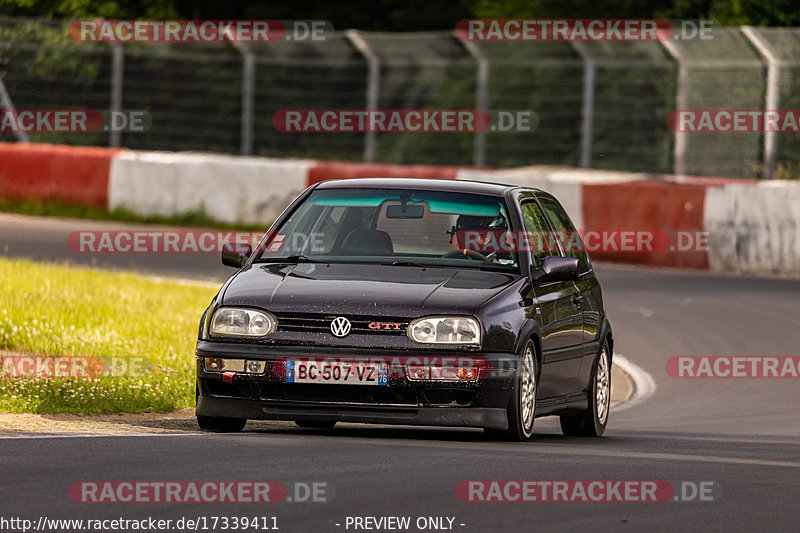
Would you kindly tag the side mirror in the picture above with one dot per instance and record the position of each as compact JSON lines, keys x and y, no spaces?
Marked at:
{"x":555,"y":269}
{"x":235,"y":255}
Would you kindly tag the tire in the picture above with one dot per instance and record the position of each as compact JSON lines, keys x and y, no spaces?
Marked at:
{"x":316,"y":424}
{"x":221,"y":425}
{"x":592,"y":422}
{"x":521,"y":410}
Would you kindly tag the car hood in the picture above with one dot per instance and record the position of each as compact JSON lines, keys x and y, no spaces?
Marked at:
{"x":363,"y":289}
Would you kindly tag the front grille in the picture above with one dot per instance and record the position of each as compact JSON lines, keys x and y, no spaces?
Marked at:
{"x":315,"y":323}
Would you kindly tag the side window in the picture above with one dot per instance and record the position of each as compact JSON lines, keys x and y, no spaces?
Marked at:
{"x":314,"y":232}
{"x":571,"y":241}
{"x":537,"y":232}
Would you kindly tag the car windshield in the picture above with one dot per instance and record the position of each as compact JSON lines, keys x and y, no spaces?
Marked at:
{"x":401,"y":227}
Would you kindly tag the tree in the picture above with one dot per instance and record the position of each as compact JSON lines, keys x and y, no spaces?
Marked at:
{"x":109,"y":9}
{"x":724,"y":12}
{"x":371,"y":15}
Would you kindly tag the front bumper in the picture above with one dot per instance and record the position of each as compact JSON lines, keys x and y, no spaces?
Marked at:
{"x":481,"y":403}
{"x":368,"y":414}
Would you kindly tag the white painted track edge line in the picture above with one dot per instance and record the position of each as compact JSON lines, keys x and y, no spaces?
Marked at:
{"x":644,"y":386}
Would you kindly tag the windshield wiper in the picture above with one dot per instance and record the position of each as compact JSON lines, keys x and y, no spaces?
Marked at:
{"x":287,"y":259}
{"x":405,"y":264}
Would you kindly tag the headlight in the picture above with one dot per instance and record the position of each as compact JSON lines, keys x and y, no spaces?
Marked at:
{"x":232,"y":322}
{"x":445,"y":330}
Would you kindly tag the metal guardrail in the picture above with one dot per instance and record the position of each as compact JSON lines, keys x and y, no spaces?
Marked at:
{"x":598,"y":104}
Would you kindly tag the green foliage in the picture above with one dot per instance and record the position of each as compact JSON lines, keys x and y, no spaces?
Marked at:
{"x":108,"y":9}
{"x":724,"y":12}
{"x":414,"y":15}
{"x":570,"y":9}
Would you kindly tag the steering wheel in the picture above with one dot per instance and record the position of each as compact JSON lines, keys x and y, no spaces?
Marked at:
{"x":469,"y":254}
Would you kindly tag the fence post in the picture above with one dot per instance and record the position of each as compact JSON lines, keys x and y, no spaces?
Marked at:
{"x":481,"y":99}
{"x":587,"y":107}
{"x":373,"y":87}
{"x":117,"y":83}
{"x":248,"y":92}
{"x":8,"y":105}
{"x":681,"y":102}
{"x":772,"y":96}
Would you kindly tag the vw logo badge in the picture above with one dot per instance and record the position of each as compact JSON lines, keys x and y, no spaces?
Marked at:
{"x":340,"y":326}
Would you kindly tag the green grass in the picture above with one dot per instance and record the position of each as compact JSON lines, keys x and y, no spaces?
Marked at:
{"x":58,"y":209}
{"x":61,"y":310}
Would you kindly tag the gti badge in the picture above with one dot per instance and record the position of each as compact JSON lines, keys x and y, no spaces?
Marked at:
{"x":384,"y":325}
{"x":340,"y":326}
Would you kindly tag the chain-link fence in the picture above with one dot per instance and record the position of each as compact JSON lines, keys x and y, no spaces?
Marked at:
{"x":597,"y":104}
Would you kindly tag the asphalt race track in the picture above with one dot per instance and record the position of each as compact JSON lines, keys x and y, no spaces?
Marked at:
{"x":741,"y":434}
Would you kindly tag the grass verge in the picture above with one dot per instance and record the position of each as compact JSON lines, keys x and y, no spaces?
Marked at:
{"x":56,"y":209}
{"x":60,"y":310}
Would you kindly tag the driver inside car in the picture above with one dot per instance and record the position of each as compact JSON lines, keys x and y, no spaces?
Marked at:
{"x":485,"y":236}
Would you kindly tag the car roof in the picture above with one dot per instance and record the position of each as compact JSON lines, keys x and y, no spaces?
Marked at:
{"x":428,"y":184}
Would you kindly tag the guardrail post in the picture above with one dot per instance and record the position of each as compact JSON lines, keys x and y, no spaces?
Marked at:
{"x":481,"y":99}
{"x":8,"y":105}
{"x":248,"y":93}
{"x":587,"y":107}
{"x":117,"y":83}
{"x":373,"y":87}
{"x":772,"y":96}
{"x":681,"y":102}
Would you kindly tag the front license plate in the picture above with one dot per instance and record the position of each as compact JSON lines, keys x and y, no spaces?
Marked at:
{"x":336,"y":372}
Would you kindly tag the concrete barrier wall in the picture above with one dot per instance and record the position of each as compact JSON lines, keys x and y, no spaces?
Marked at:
{"x":652,"y":208}
{"x":752,"y":226}
{"x":246,"y":190}
{"x":335,"y":170}
{"x":45,"y":172}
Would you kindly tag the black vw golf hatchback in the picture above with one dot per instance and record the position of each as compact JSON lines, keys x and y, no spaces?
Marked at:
{"x":410,"y":301}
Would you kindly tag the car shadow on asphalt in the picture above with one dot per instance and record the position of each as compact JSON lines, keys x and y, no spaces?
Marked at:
{"x":551,"y":433}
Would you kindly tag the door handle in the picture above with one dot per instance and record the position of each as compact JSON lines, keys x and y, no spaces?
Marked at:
{"x":577,"y":299}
